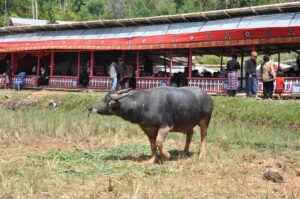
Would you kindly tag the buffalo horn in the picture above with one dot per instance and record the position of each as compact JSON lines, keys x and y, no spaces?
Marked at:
{"x":117,"y":97}
{"x":124,"y":91}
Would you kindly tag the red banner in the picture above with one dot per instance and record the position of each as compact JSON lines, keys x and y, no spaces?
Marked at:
{"x":39,"y":54}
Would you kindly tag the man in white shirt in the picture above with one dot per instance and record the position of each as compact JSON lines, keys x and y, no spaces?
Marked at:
{"x":113,"y":73}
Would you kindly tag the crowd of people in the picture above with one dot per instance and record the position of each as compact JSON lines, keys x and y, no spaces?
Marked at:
{"x":43,"y":79}
{"x":123,"y":76}
{"x":272,"y":78}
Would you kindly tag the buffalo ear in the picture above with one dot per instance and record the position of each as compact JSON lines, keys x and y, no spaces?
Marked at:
{"x":113,"y":104}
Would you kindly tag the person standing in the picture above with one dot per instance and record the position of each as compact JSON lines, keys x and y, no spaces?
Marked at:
{"x":129,"y":75}
{"x":121,"y":73}
{"x":148,"y":67}
{"x":44,"y":77}
{"x":113,"y":73}
{"x":251,"y":77}
{"x":7,"y":74}
{"x":267,"y":74}
{"x":279,"y":82}
{"x":232,"y":67}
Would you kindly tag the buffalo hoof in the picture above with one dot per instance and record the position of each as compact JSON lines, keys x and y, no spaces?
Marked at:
{"x":185,"y":155}
{"x":152,"y":160}
{"x":165,"y":155}
{"x":202,"y":155}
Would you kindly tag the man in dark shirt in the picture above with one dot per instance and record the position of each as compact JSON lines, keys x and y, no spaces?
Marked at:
{"x":8,"y":67}
{"x":44,"y":77}
{"x":251,"y":77}
{"x":148,"y":67}
{"x":121,"y":73}
{"x":232,"y":66}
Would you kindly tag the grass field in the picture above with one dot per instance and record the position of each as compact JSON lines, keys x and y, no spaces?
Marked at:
{"x":60,"y":153}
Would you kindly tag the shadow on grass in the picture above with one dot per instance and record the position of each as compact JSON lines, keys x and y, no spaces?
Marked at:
{"x":175,"y":155}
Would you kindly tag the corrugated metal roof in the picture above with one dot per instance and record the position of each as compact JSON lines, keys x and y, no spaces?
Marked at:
{"x":168,"y":19}
{"x":14,"y":21}
{"x":277,"y":20}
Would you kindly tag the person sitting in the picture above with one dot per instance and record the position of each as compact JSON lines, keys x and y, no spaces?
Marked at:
{"x":129,"y":74}
{"x":207,"y":73}
{"x":44,"y":77}
{"x":291,"y":72}
{"x":84,"y":77}
{"x":33,"y":70}
{"x":69,"y":71}
{"x":20,"y":80}
{"x":186,"y":71}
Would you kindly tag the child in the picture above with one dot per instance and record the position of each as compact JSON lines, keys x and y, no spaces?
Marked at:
{"x":279,"y":81}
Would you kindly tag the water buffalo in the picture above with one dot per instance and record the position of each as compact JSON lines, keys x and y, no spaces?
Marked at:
{"x":159,"y":111}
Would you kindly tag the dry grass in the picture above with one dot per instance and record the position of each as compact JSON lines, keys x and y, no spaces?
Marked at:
{"x":59,"y":153}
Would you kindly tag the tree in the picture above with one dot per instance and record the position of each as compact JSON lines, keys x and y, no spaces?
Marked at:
{"x":95,"y":8}
{"x":77,"y":5}
{"x":115,"y":9}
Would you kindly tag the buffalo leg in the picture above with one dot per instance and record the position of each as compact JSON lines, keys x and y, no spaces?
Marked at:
{"x":153,"y":149}
{"x":188,"y":140}
{"x":161,"y":136}
{"x":203,"y":128}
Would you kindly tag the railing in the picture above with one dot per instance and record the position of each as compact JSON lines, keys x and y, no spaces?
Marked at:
{"x":30,"y":81}
{"x":100,"y":82}
{"x":217,"y":85}
{"x":63,"y":82}
{"x":151,"y":82}
{"x":288,"y":84}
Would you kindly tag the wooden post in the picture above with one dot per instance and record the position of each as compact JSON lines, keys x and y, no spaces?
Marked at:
{"x":137,"y":63}
{"x":222,"y":56}
{"x":190,"y":61}
{"x":279,"y":60}
{"x":242,"y":69}
{"x":92,"y":64}
{"x":78,"y":65}
{"x":165,"y":61}
{"x":12,"y":62}
{"x":171,"y":65}
{"x":123,"y":55}
{"x":52,"y":64}
{"x":38,"y":66}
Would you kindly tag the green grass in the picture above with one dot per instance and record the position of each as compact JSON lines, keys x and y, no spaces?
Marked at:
{"x":91,"y":150}
{"x":107,"y":161}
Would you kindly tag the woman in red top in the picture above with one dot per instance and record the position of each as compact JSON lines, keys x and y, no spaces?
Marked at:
{"x":279,"y":89}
